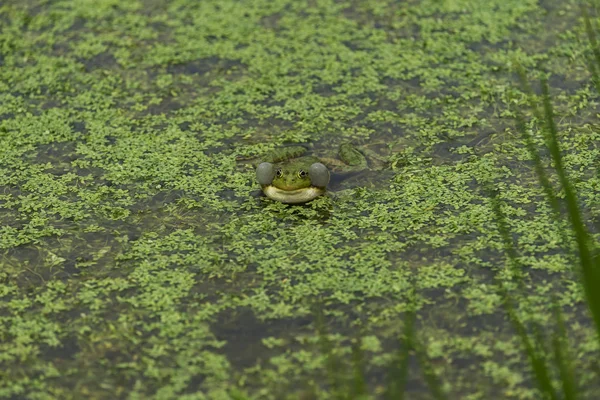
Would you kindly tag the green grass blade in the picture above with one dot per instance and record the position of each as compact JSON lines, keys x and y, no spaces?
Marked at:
{"x":528,"y":91}
{"x":236,"y":394}
{"x":359,"y":384}
{"x":332,"y":363}
{"x":538,"y":365}
{"x":398,"y":371}
{"x":503,"y":229}
{"x":589,"y":268}
{"x":544,"y":181}
{"x":537,"y":161}
{"x":593,"y":63}
{"x":562,"y":356}
{"x":433,"y":382}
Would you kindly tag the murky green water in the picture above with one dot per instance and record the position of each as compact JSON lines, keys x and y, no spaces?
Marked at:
{"x":139,"y":259}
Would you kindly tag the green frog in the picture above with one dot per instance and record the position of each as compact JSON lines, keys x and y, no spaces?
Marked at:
{"x":286,"y":175}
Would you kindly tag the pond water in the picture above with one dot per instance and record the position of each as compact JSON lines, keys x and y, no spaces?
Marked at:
{"x":139,"y":258}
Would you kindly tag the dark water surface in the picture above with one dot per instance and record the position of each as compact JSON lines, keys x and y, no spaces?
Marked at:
{"x":139,"y":259}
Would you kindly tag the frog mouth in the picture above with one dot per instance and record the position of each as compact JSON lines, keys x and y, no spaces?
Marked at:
{"x":301,"y":195}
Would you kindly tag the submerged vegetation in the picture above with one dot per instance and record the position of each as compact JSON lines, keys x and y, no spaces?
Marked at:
{"x":140,"y":260}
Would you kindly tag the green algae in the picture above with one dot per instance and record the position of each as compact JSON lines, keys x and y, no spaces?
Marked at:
{"x":139,"y":259}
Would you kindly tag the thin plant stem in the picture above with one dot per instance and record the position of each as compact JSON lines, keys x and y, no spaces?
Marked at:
{"x":589,"y":267}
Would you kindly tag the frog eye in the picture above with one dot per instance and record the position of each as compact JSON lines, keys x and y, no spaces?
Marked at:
{"x":302,"y":174}
{"x":279,"y":173}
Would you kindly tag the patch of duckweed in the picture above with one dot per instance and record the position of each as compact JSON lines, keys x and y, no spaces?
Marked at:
{"x":138,"y":258}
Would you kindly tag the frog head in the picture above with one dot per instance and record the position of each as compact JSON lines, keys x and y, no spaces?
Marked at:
{"x":296,"y":181}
